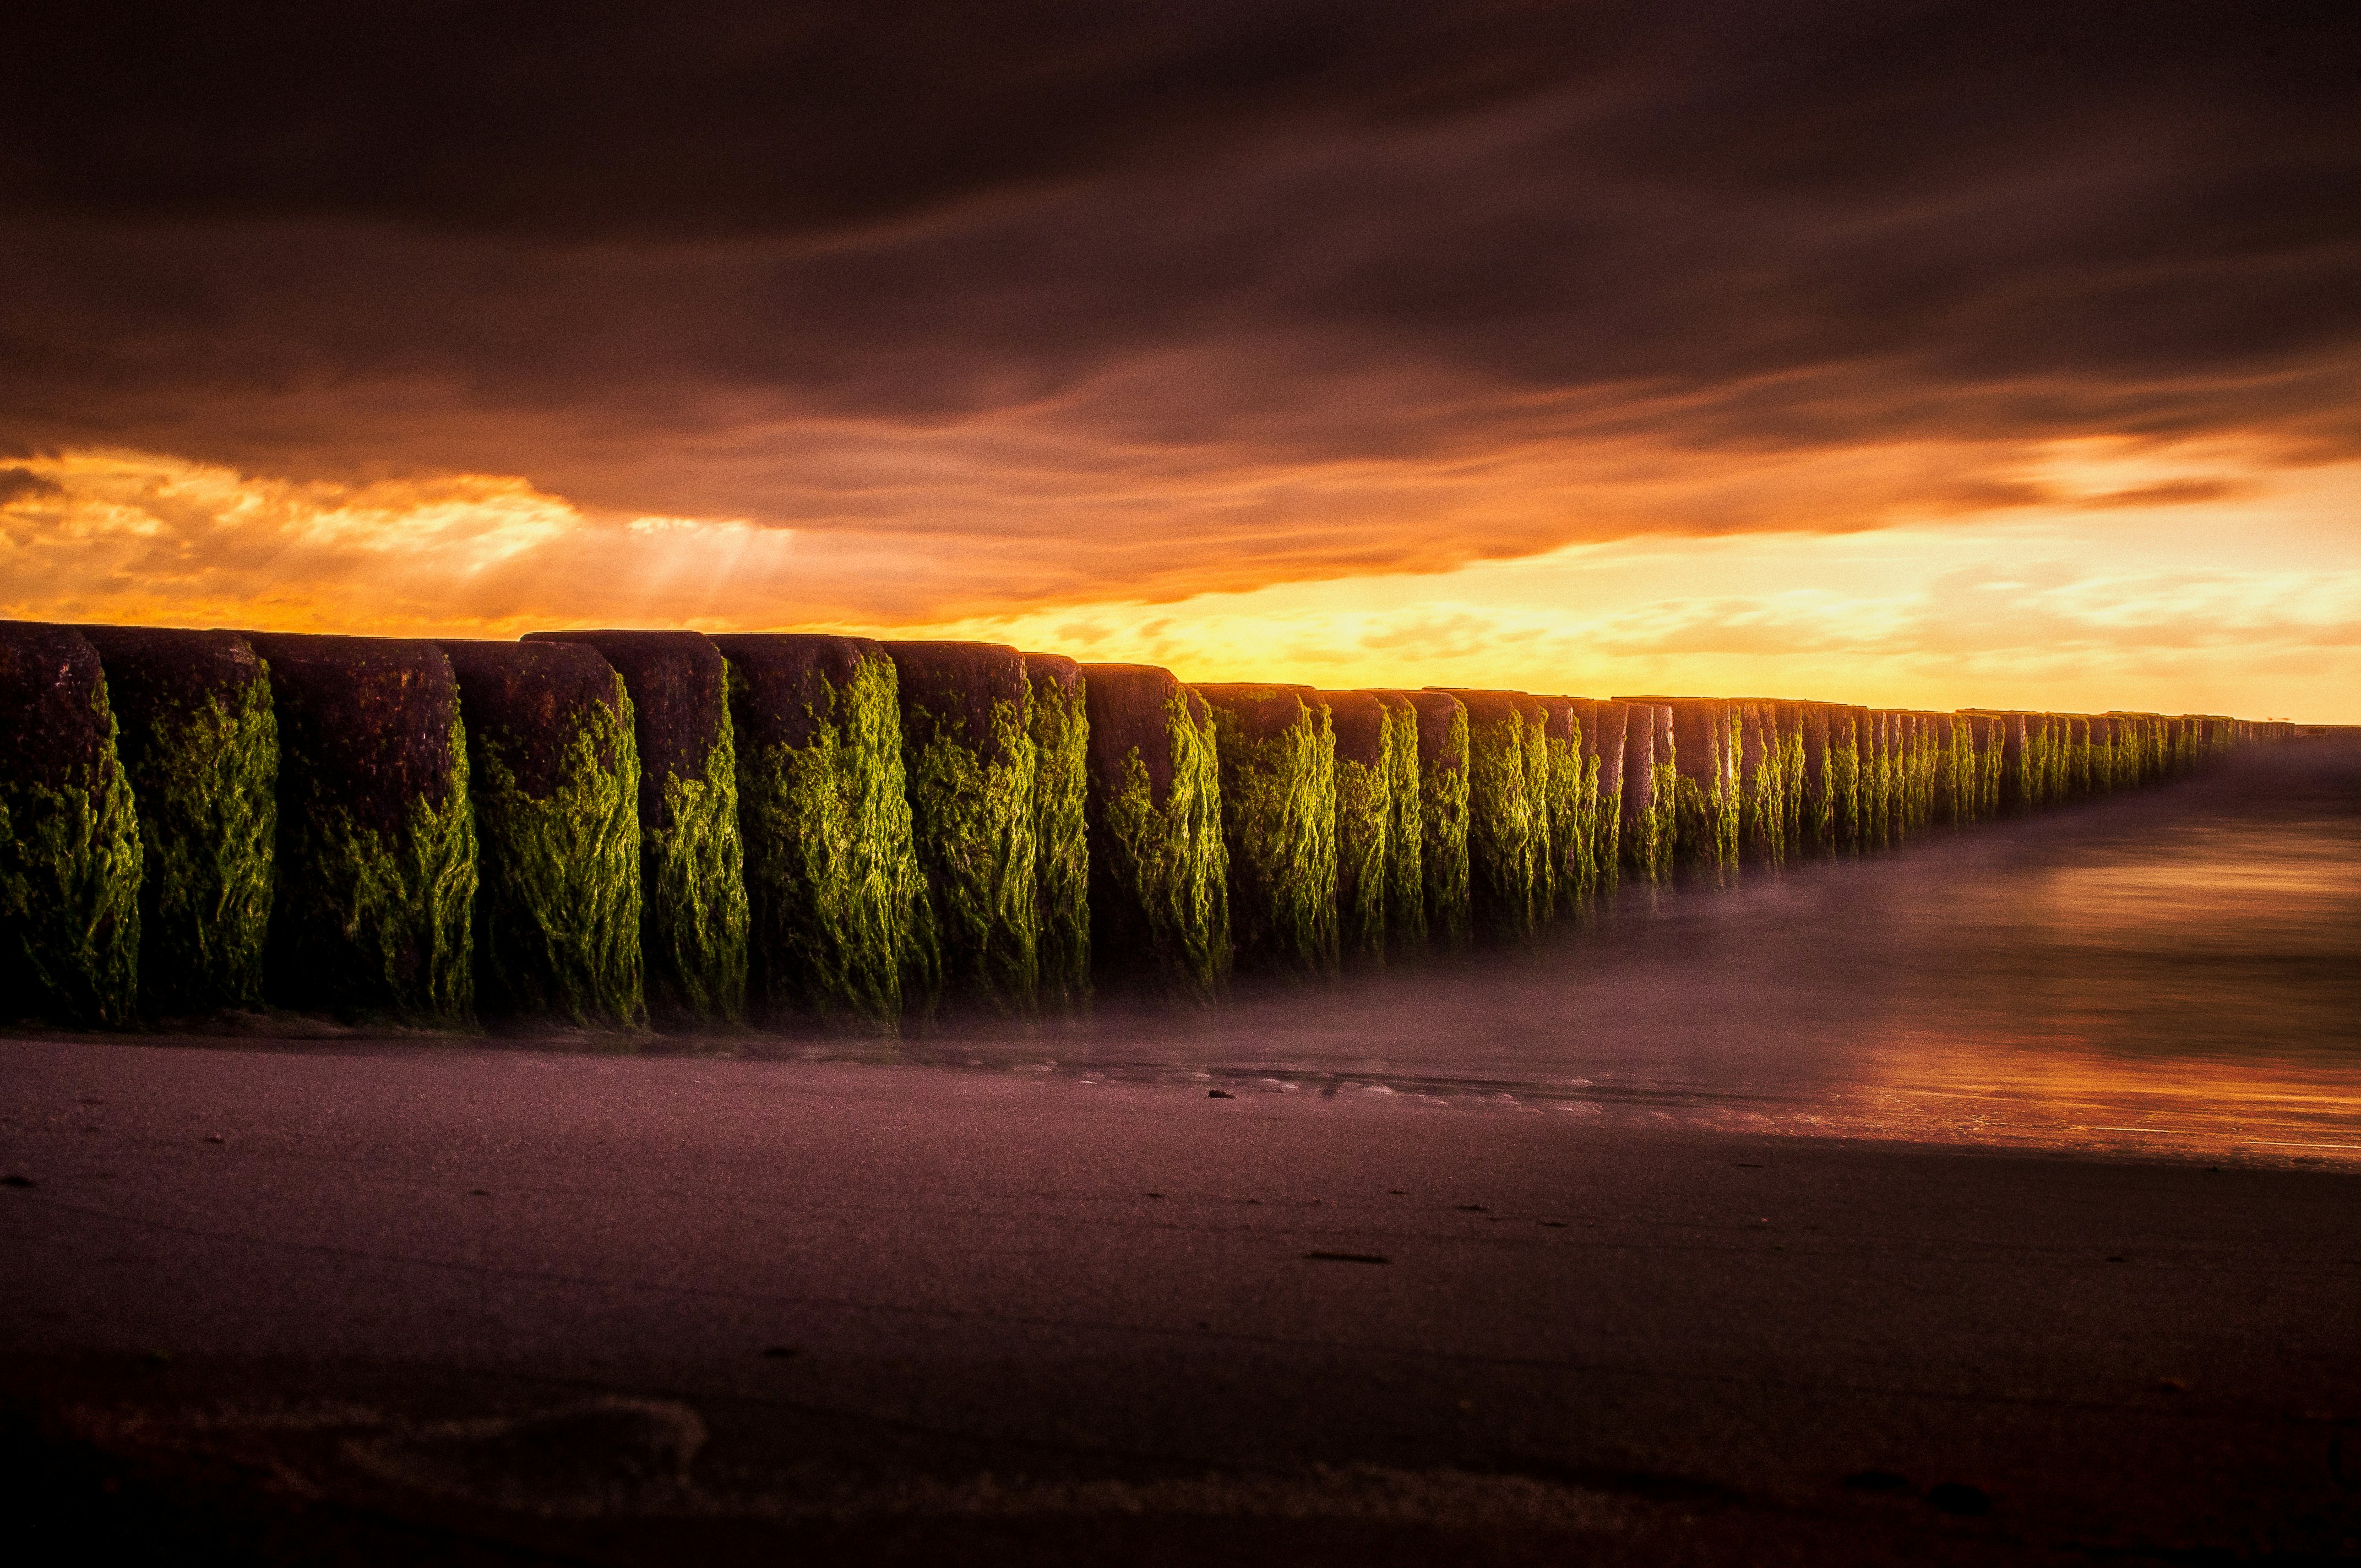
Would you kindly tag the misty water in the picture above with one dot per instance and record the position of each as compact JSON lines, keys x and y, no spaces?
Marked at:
{"x":2175,"y":971}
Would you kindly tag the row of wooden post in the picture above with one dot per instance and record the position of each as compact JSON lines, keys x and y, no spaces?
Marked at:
{"x":625,"y":829}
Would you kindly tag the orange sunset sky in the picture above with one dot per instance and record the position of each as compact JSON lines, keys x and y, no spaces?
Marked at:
{"x":1920,"y":355}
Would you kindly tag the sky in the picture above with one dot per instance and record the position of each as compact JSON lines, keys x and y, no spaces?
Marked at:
{"x":1993,"y":355}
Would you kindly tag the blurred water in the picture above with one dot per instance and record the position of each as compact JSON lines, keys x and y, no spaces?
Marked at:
{"x":2178,"y":970}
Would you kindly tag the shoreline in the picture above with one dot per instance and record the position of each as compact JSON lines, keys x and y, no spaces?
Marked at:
{"x":504,"y":1297}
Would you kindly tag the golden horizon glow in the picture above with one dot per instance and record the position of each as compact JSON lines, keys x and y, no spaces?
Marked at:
{"x":2190,"y":577}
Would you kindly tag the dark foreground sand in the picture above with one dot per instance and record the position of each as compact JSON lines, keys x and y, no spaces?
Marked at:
{"x":489,"y":1305}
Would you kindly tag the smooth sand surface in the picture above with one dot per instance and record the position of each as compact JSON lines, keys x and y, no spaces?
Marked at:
{"x":386,"y":1304}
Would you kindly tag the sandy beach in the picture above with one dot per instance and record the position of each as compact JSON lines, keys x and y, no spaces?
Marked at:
{"x":380,"y":1301}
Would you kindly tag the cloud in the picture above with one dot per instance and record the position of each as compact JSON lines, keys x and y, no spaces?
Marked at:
{"x":1048,"y":303}
{"x":16,"y":484}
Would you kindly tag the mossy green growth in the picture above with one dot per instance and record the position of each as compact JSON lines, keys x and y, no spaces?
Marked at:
{"x":1876,"y":779}
{"x":1791,"y":777}
{"x":1706,"y":809}
{"x":558,"y":933}
{"x":1444,"y":847}
{"x":1762,"y":788}
{"x":1844,"y":779}
{"x":1605,"y":807}
{"x":836,"y":903}
{"x":1960,"y":782}
{"x":1992,"y":765}
{"x":1550,"y":854}
{"x":1173,"y":861}
{"x":373,"y":923}
{"x":1570,"y":809}
{"x":1508,"y":826}
{"x":973,"y":824}
{"x":1405,"y":829}
{"x":1660,"y":833}
{"x":1279,"y":817}
{"x":69,"y":874}
{"x":1364,"y":858}
{"x":693,"y":917}
{"x":207,"y":782}
{"x":1062,"y":866}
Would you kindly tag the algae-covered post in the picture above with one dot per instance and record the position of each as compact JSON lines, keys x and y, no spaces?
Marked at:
{"x":2016,"y":795}
{"x":839,"y":929}
{"x":1992,"y":764}
{"x":1443,"y":817}
{"x":554,"y":774}
{"x":1604,"y":737}
{"x":1705,"y":783}
{"x":1159,"y":896}
{"x":1876,"y":778}
{"x":1406,"y":827}
{"x":1364,"y":815}
{"x":1816,"y":783}
{"x":1278,"y":755}
{"x":1955,"y":776}
{"x":1846,"y":783}
{"x":1061,"y":873}
{"x":1509,"y":886}
{"x":1762,"y":783}
{"x":1570,"y":802}
{"x":69,"y":837}
{"x":1912,"y":771}
{"x":2102,"y":754}
{"x":1646,"y":800}
{"x":692,"y":861}
{"x":1894,"y":745}
{"x":1788,"y":719}
{"x":1652,"y":794}
{"x":199,"y":742}
{"x":971,"y":766}
{"x":375,"y":912}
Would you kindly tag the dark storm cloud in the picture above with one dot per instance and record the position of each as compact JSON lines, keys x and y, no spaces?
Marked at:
{"x":16,"y":483}
{"x":872,"y":272}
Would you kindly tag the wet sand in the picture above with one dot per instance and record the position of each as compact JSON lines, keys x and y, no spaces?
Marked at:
{"x":376,"y":1303}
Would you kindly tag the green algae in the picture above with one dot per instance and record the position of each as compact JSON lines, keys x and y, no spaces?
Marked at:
{"x":1364,"y":824}
{"x":205,"y":781}
{"x":1957,"y":802}
{"x":69,"y":875}
{"x":1844,"y":778}
{"x":838,"y":922}
{"x":1277,"y":756}
{"x":1651,"y":782}
{"x":371,"y":923}
{"x":557,"y":928}
{"x":1405,"y":827}
{"x":1792,"y":769}
{"x":1443,"y":824}
{"x":1992,"y":765}
{"x":1763,"y":797}
{"x":1062,"y":865}
{"x":1160,"y":868}
{"x":1706,"y":794}
{"x":1538,"y":762}
{"x":1604,"y":808}
{"x":1821,"y":734}
{"x":693,"y":914}
{"x":1567,"y":790}
{"x":971,"y":815}
{"x":1511,"y":889}
{"x":1364,"y":836}
{"x":1606,"y":733}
